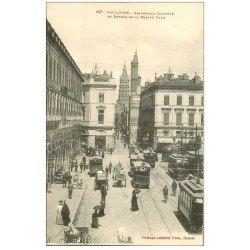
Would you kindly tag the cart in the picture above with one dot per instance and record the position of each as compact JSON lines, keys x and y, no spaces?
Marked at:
{"x":100,"y":179}
{"x":80,"y":237}
{"x":119,"y":176}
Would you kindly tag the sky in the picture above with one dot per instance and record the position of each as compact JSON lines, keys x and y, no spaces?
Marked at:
{"x":90,"y":37}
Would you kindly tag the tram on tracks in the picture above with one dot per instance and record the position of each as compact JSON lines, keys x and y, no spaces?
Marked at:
{"x":140,"y":172}
{"x":190,"y":203}
{"x":177,"y":167}
{"x":150,"y":157}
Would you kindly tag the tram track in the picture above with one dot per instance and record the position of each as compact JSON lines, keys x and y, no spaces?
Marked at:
{"x":158,"y":210}
{"x":158,"y":183}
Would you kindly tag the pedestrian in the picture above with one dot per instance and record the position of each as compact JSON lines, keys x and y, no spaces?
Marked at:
{"x":134,"y":205}
{"x":102,"y":154}
{"x":65,"y":214}
{"x":110,"y":167}
{"x":101,"y":212}
{"x":70,"y":189}
{"x":76,"y":166}
{"x":107,"y":171}
{"x":64,"y":180}
{"x":71,"y":166}
{"x":174,"y":187}
{"x":69,"y":177}
{"x":111,"y":150}
{"x":79,"y":184}
{"x":84,"y":159}
{"x":59,"y":220}
{"x":165,"y":194}
{"x":81,"y":166}
{"x":103,"y":193}
{"x":94,"y":223}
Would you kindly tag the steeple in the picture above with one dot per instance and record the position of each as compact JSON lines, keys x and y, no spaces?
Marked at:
{"x":96,"y":70}
{"x":135,"y":59}
{"x":124,"y":71}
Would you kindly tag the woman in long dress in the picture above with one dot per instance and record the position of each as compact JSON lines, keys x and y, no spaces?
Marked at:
{"x":65,"y":214}
{"x":134,"y":204}
{"x":95,"y":223}
{"x":59,"y":220}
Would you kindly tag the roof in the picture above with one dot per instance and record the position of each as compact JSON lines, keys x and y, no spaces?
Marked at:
{"x":174,"y":84}
{"x":138,"y":164}
{"x":193,"y":188}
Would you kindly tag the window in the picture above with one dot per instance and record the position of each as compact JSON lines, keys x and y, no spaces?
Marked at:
{"x":191,"y":119}
{"x":202,"y":101}
{"x":191,"y":100}
{"x":83,"y":98}
{"x":178,"y":133}
{"x":178,"y":119}
{"x":100,"y":116}
{"x":166,"y":100}
{"x":179,"y":100}
{"x":165,"y":133}
{"x":101,"y":97}
{"x":50,"y":68}
{"x":166,"y":118}
{"x":202,"y":119}
{"x":83,"y":114}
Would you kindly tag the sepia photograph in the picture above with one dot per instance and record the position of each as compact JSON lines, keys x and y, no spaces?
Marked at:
{"x":124,"y":123}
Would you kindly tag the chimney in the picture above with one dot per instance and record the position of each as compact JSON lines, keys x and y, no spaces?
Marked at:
{"x":155,"y":75}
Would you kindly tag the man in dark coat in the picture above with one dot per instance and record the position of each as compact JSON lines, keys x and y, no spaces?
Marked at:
{"x":103,"y":193}
{"x":65,"y":214}
{"x":81,"y":166}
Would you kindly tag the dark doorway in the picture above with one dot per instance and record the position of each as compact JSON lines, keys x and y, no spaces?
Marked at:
{"x":100,"y":142}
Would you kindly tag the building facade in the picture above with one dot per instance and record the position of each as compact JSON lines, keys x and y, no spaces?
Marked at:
{"x":63,"y":103}
{"x":171,"y":110}
{"x":98,"y":95}
{"x":134,"y":101}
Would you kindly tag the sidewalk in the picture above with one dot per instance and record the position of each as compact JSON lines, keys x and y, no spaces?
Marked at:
{"x":61,"y":193}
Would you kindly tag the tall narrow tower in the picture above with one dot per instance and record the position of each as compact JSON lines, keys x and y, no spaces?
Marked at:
{"x":124,"y":86}
{"x":135,"y":78}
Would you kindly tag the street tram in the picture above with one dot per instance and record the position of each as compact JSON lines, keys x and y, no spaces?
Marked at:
{"x":190,"y":203}
{"x":150,"y":157}
{"x":140,"y":171}
{"x":95,"y":165}
{"x":136,"y":157}
{"x":178,"y":166}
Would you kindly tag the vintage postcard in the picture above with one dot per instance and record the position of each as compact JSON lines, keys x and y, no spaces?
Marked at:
{"x":124,"y":123}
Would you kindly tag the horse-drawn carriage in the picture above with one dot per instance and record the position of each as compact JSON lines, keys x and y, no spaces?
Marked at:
{"x":100,"y":179}
{"x":119,"y":176}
